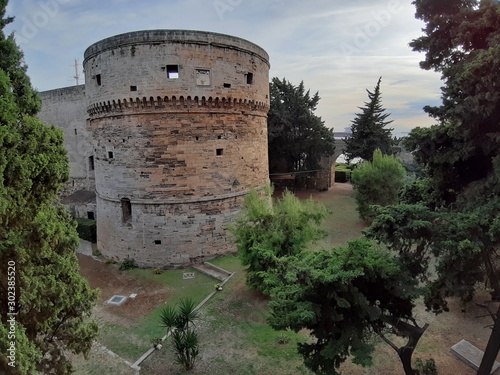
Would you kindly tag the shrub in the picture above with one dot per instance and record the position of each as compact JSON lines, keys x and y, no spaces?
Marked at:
{"x":342,"y":176}
{"x":87,"y":230}
{"x":377,"y":183}
{"x":426,"y":368}
{"x":128,"y":264}
{"x":180,"y":323}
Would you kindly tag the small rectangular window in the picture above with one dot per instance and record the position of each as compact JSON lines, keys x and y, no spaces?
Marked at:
{"x":76,"y":132}
{"x":157,"y":242}
{"x":249,"y":78}
{"x":126,"y":209}
{"x":227,"y":85}
{"x":133,"y":88}
{"x":90,"y":215}
{"x":91,"y":162}
{"x":110,"y":155}
{"x":172,"y":71}
{"x":219,"y":152}
{"x":98,"y":79}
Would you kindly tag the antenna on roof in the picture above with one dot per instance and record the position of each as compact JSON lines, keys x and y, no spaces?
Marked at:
{"x":76,"y":77}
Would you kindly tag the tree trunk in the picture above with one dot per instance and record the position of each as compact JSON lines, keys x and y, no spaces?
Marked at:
{"x":491,"y":352}
{"x":413,"y":332}
{"x":405,"y":352}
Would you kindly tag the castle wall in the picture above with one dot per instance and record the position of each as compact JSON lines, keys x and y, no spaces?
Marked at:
{"x":66,"y":108}
{"x":179,"y":128}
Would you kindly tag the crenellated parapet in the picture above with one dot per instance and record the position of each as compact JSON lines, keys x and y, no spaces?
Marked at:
{"x":180,"y":103}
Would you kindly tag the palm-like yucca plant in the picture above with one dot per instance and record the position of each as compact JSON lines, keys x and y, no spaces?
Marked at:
{"x":178,"y":322}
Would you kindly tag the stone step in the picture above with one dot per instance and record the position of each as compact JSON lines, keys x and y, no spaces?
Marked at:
{"x":471,"y":355}
{"x":212,"y":271}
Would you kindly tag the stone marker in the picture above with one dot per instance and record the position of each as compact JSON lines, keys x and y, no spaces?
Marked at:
{"x":471,"y":355}
{"x":188,"y":275}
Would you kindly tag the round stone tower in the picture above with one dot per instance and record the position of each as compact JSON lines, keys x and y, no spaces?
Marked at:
{"x":179,"y":127}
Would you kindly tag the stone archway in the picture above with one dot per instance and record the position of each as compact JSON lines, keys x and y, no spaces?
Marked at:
{"x":330,"y":162}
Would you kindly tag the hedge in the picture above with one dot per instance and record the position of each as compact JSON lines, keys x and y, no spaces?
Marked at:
{"x":87,"y":230}
{"x":342,"y":176}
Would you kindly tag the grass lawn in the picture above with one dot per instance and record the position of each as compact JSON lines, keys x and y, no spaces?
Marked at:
{"x":234,"y":336}
{"x":130,"y":342}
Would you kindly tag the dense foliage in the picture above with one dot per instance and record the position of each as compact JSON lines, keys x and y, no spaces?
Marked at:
{"x":53,"y":302}
{"x":344,"y":297}
{"x":87,"y":229}
{"x":369,"y":130}
{"x":457,"y":219}
{"x":266,"y":232}
{"x":377,"y":182}
{"x":297,"y":138}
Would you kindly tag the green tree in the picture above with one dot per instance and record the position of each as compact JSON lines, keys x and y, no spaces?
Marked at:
{"x":369,"y":130}
{"x":344,"y":297}
{"x":377,"y":182}
{"x":53,"y":302}
{"x":180,"y":323}
{"x":297,"y":138}
{"x":266,"y":232}
{"x":461,"y":155}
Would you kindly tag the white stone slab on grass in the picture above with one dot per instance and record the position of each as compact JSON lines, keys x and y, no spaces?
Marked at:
{"x":471,"y":355}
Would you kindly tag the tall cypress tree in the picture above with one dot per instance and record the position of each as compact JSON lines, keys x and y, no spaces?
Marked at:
{"x":369,"y":130}
{"x":49,"y":303}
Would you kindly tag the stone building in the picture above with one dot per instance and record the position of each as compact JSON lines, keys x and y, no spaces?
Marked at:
{"x":170,"y":131}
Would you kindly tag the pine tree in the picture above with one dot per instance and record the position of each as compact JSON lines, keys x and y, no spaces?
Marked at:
{"x":368,"y":129}
{"x":50,"y":313}
{"x":297,"y":138}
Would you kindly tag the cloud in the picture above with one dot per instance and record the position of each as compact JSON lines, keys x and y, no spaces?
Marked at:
{"x":337,"y":48}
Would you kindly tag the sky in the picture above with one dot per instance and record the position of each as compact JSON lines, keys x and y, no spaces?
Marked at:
{"x":338,"y":48}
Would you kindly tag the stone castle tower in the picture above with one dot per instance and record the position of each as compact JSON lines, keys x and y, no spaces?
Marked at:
{"x":177,"y":122}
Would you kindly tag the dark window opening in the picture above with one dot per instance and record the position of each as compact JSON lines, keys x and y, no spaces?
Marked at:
{"x":90,"y":215}
{"x":172,"y":71}
{"x":157,"y":242}
{"x":126,"y":209}
{"x":197,"y":138}
{"x":133,"y":88}
{"x":91,"y":163}
{"x":76,"y":132}
{"x":98,"y":79}
{"x":249,"y":78}
{"x":110,"y":155}
{"x":219,"y":137}
{"x":219,"y":152}
{"x":227,"y":85}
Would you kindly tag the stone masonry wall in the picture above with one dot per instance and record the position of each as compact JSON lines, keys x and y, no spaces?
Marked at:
{"x":66,"y":108}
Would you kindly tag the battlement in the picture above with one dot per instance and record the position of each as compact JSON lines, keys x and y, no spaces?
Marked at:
{"x":177,"y":104}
